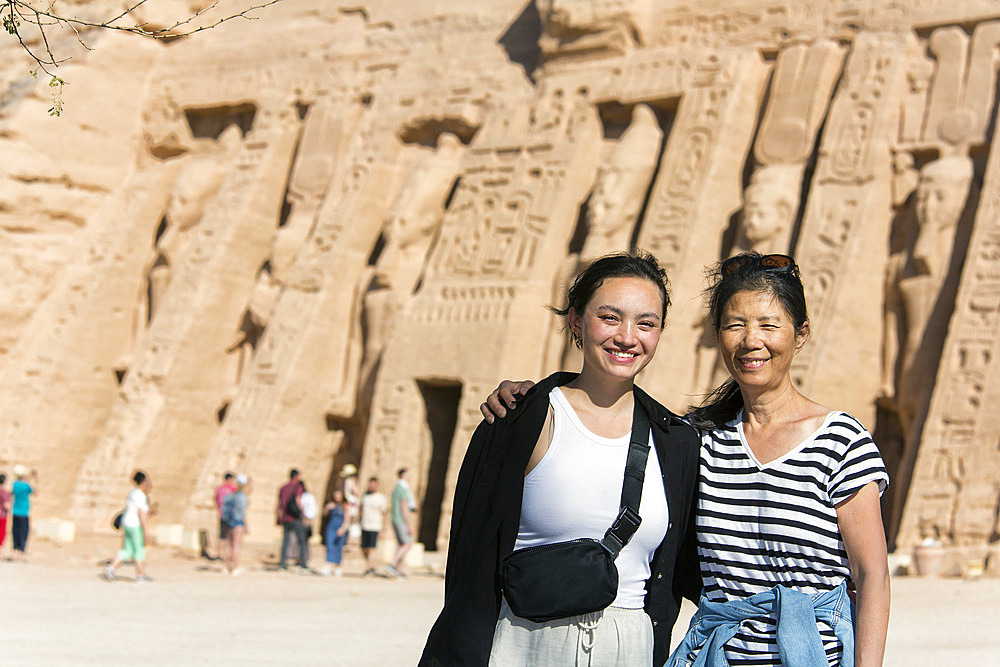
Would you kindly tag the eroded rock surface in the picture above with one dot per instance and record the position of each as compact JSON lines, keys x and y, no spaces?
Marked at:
{"x":321,"y":237}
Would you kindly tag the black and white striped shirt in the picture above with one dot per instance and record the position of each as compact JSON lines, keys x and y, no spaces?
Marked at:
{"x":763,"y":525}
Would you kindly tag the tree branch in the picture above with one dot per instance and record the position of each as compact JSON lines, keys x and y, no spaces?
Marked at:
{"x":17,"y":14}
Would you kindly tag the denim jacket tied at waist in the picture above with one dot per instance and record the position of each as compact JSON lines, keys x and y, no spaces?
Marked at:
{"x":799,"y":642}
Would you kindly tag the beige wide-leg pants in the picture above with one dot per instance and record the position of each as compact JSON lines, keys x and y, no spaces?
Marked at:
{"x":614,"y":636}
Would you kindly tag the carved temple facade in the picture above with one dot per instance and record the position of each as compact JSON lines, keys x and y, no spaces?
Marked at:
{"x":322,"y":237}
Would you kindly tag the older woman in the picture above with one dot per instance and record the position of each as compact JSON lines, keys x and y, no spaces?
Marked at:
{"x":553,"y":476}
{"x":788,"y":521}
{"x":788,"y":517}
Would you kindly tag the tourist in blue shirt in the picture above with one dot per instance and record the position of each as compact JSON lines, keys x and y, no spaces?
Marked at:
{"x":21,"y":508}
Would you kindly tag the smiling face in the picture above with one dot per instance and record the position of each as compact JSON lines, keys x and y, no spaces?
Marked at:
{"x":619,"y":327}
{"x":758,"y":340}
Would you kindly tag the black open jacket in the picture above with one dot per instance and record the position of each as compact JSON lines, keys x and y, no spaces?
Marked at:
{"x":487,"y":513}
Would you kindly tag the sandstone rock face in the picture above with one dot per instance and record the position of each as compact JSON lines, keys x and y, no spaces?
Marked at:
{"x":321,"y":237}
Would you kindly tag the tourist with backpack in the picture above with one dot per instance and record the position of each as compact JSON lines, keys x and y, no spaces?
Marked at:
{"x":289,"y":517}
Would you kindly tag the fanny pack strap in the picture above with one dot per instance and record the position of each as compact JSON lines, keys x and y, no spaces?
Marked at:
{"x":628,"y":519}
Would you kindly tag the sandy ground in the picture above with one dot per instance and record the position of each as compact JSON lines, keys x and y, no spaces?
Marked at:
{"x":58,"y":611}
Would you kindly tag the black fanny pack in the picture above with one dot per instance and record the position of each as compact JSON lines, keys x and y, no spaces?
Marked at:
{"x":553,"y":581}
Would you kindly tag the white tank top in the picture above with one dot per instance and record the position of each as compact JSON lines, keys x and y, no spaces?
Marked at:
{"x":576,"y":489}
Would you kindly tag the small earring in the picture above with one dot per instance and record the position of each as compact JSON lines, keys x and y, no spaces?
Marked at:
{"x":577,"y":341}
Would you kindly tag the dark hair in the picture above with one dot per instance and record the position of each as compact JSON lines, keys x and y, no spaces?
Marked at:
{"x":228,"y":475}
{"x":635,"y":264}
{"x":748,"y":275}
{"x":372,"y":479}
{"x":302,"y":485}
{"x":138,"y":477}
{"x":293,"y":473}
{"x":401,"y":472}
{"x":3,"y":478}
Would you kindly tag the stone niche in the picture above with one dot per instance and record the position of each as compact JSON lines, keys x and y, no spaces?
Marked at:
{"x":327,"y":250}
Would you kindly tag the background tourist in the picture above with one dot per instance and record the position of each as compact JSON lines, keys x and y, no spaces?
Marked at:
{"x":289,"y":516}
{"x":221,"y":491}
{"x":352,"y":498}
{"x":373,"y":507}
{"x":336,"y":533}
{"x":135,"y":527}
{"x":4,"y":508}
{"x":310,"y":510}
{"x":403,"y":506}
{"x":234,"y":514}
{"x":25,"y":485}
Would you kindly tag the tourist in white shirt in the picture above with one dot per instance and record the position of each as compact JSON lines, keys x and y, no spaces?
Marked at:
{"x":134,"y":529}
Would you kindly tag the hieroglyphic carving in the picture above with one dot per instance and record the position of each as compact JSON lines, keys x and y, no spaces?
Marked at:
{"x":846,"y":227}
{"x":510,"y":219}
{"x":92,"y":290}
{"x":696,"y":191}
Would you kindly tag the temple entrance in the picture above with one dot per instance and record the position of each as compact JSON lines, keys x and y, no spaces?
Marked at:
{"x":441,"y":414}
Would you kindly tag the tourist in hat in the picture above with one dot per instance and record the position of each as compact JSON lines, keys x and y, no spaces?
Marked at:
{"x":25,"y":485}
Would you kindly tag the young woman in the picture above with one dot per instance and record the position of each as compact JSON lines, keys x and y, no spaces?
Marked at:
{"x":553,"y":472}
{"x":134,"y":529}
{"x":234,"y":515}
{"x":788,"y":521}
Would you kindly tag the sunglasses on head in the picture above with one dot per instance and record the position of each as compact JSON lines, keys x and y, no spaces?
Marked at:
{"x":773,"y":262}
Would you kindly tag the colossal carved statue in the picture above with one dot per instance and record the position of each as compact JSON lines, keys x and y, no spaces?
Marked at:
{"x":941,"y":194}
{"x":409,"y":230}
{"x":621,"y":185}
{"x":193,"y":190}
{"x":254,"y":321}
{"x":770,"y":204}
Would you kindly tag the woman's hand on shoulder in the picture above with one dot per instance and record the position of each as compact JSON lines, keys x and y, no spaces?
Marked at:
{"x":504,"y":397}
